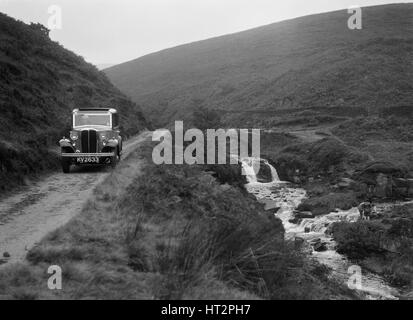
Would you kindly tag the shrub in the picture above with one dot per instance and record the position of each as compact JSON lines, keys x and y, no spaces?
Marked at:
{"x":326,"y":153}
{"x":230,"y":174}
{"x":359,"y":239}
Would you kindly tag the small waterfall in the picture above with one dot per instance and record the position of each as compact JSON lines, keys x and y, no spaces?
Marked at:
{"x":274,"y":173}
{"x":249,"y":172}
{"x":251,"y":167}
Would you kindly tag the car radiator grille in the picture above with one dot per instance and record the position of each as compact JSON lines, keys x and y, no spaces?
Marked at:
{"x":89,"y":141}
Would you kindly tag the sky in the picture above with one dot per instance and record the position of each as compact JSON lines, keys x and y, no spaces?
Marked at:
{"x":115,"y":31}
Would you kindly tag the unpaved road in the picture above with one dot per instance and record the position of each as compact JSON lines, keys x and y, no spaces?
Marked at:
{"x":309,"y":136}
{"x":26,"y":217}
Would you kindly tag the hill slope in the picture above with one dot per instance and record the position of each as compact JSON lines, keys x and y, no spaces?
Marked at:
{"x":310,"y":62}
{"x":40,"y":83}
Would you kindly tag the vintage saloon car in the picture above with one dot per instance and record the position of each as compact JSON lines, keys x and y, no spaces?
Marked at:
{"x":94,"y":139}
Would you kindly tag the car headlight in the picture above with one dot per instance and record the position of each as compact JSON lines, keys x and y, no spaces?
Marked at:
{"x":74,"y":136}
{"x":104,"y":139}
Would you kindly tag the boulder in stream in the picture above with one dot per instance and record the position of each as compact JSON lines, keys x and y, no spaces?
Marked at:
{"x":316,"y":240}
{"x":298,"y":241}
{"x":320,"y":246}
{"x":295,"y":220}
{"x":270,"y":205}
{"x":303,"y":214}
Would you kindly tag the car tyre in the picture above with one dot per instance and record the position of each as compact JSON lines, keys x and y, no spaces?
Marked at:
{"x":66,"y":165}
{"x":65,"y":162}
{"x":114,"y":161}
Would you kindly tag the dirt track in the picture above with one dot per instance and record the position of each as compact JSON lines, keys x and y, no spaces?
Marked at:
{"x":26,"y":217}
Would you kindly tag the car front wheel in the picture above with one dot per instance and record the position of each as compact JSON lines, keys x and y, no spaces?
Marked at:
{"x":114,"y":160}
{"x":65,"y":162}
{"x":65,"y":165}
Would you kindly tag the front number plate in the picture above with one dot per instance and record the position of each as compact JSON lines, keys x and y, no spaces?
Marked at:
{"x":87,"y":160}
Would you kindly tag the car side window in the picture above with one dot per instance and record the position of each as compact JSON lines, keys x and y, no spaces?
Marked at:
{"x":115,"y":120}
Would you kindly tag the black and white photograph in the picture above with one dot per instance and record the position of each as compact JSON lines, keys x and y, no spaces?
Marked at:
{"x":209,"y":155}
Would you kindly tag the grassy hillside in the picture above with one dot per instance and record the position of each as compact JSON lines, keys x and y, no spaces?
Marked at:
{"x":260,"y":76}
{"x":40,"y":83}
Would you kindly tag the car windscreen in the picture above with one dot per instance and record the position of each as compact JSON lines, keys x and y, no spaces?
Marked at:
{"x":92,"y":120}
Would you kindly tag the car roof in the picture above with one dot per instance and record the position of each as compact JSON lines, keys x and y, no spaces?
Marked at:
{"x":111,"y":110}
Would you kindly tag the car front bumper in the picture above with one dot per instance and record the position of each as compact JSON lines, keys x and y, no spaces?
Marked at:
{"x":78,"y":155}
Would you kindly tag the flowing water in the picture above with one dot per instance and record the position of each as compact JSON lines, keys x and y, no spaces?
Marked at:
{"x":313,"y":230}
